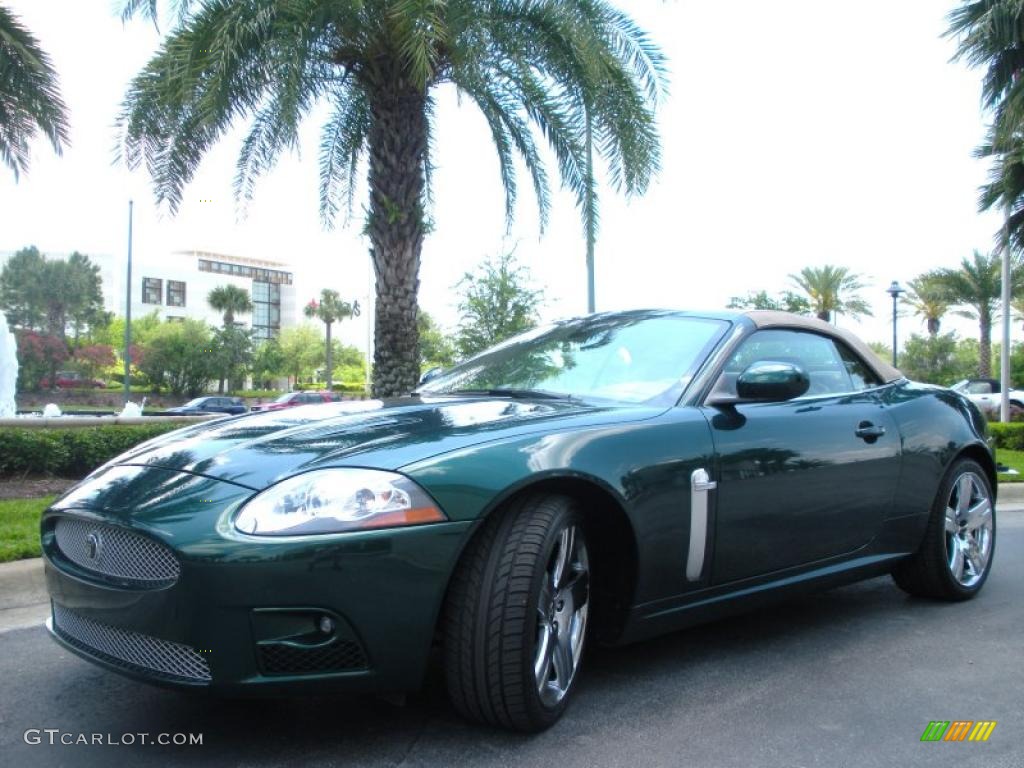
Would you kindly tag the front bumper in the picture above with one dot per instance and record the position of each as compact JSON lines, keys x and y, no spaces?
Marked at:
{"x":352,"y":612}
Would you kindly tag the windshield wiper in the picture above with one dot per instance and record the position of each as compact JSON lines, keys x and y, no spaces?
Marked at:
{"x":518,"y":394}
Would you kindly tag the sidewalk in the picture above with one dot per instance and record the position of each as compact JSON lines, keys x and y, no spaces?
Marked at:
{"x":24,"y":602}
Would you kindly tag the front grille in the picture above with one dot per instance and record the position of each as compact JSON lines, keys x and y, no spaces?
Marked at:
{"x":283,"y":659}
{"x":117,"y":552}
{"x":131,"y":650}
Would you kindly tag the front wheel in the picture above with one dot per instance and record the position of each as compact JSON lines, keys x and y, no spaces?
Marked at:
{"x":516,"y":615}
{"x":956,"y":555}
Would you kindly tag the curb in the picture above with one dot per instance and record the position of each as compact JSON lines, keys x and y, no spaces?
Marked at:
{"x":23,"y":598}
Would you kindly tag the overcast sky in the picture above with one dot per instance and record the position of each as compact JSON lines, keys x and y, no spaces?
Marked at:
{"x":796,"y":132}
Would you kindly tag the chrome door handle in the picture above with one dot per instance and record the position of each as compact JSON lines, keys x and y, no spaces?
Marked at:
{"x":868,"y":431}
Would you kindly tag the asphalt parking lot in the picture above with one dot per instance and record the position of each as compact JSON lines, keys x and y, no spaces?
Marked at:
{"x":849,"y":677}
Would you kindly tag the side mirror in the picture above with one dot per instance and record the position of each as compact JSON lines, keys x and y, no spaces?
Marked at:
{"x":433,"y":373}
{"x":768,"y":381}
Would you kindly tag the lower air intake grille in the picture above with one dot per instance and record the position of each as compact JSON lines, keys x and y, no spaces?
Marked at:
{"x":131,"y":650}
{"x":339,"y":656}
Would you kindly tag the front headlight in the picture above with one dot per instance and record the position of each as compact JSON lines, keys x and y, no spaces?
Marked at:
{"x":337,"y":500}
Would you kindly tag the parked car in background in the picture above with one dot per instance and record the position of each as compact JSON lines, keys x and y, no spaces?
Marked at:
{"x":606,"y":479}
{"x":987,"y":395}
{"x":209,"y":404}
{"x":292,"y":399}
{"x":71,"y":380}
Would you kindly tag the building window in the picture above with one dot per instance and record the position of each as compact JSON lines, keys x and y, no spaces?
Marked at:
{"x":175,"y":319}
{"x":175,"y":293}
{"x":258,"y":274}
{"x":152,"y":290}
{"x":266,"y":309}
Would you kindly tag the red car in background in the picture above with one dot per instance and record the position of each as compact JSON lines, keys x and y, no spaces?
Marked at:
{"x":292,"y":399}
{"x":71,"y":380}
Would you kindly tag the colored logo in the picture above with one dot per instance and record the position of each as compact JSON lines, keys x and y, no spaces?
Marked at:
{"x":958,"y":730}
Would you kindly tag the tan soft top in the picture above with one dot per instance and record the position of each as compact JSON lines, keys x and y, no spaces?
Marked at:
{"x":765,"y":318}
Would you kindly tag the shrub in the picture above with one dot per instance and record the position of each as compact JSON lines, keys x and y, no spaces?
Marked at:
{"x":256,"y":393}
{"x":71,"y":452}
{"x":1008,"y":436}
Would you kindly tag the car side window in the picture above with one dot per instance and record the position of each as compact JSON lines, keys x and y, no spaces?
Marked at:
{"x":861,"y":376}
{"x":814,"y":353}
{"x":979,"y":388}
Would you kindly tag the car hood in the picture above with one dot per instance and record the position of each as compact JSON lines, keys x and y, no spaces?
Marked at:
{"x":258,"y":449}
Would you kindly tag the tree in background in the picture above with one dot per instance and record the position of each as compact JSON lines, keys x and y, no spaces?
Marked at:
{"x":350,"y":363}
{"x":495,"y":304}
{"x":436,"y":349}
{"x":578,"y":75}
{"x":975,"y":286}
{"x":929,"y":300}
{"x":21,"y":285}
{"x":882,"y":350}
{"x":787,"y":301}
{"x":93,"y":359}
{"x":933,"y":359}
{"x":39,"y":354}
{"x":267,"y":363}
{"x":30,"y":100}
{"x":832,"y":291}
{"x":330,"y":310}
{"x":229,"y":300}
{"x":232,"y":354}
{"x":181,"y":357}
{"x":302,"y":350}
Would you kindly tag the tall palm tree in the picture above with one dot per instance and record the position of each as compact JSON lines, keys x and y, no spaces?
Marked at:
{"x":229,"y":300}
{"x":536,"y":69}
{"x":929,"y":300}
{"x":30,"y":99}
{"x":976,"y":286}
{"x":832,"y":290}
{"x":329,"y":310}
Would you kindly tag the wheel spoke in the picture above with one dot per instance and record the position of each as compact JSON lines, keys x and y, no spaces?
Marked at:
{"x":951,"y":524}
{"x":964,"y":488}
{"x":979,"y":515}
{"x":563,"y":658}
{"x":977,"y":555}
{"x":542,"y":661}
{"x":544,"y":600}
{"x":579,"y":588}
{"x":956,"y":562}
{"x":563,"y":560}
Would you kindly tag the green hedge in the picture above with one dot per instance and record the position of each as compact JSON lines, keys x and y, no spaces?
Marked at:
{"x":70,"y":452}
{"x":1009,"y":436}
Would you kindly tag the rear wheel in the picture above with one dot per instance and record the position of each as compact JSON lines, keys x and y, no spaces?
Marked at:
{"x":956,"y":555}
{"x":516,"y":615}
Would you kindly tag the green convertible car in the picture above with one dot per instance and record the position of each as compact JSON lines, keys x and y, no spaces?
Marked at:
{"x":603,"y":480}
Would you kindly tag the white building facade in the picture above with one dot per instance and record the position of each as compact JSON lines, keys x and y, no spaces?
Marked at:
{"x":176,"y":285}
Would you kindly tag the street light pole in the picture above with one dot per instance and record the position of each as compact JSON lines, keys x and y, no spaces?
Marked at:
{"x":128,"y":313}
{"x":1004,"y":351}
{"x":894,"y":290}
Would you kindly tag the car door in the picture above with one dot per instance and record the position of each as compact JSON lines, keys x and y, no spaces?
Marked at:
{"x":803,"y":480}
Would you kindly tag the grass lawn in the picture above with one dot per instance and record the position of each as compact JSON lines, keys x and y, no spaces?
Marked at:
{"x":19,"y":527}
{"x":1013,"y":459}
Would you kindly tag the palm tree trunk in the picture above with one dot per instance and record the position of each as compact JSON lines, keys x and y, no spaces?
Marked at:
{"x":397,"y":144}
{"x":330,"y":358}
{"x":985,"y":347}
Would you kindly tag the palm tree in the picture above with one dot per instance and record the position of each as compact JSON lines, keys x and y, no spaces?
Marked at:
{"x":536,"y":69}
{"x":929,"y":300}
{"x":230,"y":300}
{"x":329,"y":310}
{"x":832,"y":290}
{"x":30,"y":100}
{"x":976,"y":286}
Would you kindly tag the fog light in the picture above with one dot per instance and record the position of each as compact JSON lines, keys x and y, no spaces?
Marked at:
{"x":326,"y":624}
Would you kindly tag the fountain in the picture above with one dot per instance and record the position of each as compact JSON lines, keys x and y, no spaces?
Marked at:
{"x":8,"y":369}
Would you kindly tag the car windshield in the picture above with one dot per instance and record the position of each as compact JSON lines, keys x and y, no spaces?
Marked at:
{"x":286,"y":398}
{"x":195,"y":403}
{"x":629,"y":357}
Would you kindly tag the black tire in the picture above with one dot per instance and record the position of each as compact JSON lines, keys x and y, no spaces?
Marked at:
{"x":928,"y":572}
{"x":491,"y":620}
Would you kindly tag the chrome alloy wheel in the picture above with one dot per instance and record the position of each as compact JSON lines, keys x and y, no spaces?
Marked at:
{"x":562,"y":609}
{"x":969,"y":530}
